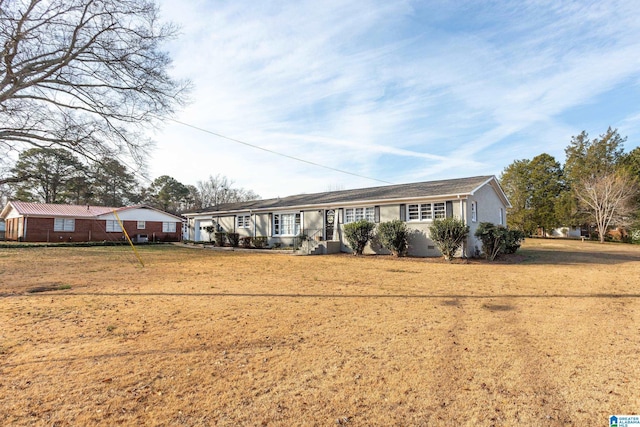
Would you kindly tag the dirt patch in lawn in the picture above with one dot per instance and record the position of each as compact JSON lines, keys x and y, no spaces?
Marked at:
{"x":201,"y":337}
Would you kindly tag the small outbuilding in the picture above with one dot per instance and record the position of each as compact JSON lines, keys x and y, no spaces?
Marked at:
{"x":44,"y":222}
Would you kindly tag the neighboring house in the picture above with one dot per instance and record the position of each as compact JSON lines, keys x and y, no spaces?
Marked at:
{"x":321,"y":216}
{"x":40,"y":222}
{"x":569,"y":232}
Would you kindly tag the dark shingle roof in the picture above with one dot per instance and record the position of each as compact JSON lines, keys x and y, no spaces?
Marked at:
{"x":374,"y":194}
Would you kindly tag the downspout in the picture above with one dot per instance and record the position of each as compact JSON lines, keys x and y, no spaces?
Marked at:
{"x":463,"y":215}
{"x":253,"y":220}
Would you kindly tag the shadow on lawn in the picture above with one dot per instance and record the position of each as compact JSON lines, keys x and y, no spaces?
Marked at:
{"x":134,"y":353}
{"x":567,"y":256}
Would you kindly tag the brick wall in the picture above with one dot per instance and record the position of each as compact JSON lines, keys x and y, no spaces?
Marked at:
{"x":41,"y":230}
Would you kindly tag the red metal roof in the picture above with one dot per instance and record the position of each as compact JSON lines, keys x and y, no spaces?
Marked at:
{"x":48,"y":209}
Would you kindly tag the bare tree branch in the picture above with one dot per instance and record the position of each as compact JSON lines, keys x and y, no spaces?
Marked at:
{"x":608,"y":197}
{"x":87,"y":75}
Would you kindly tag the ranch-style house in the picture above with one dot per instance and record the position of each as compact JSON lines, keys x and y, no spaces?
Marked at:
{"x":43,"y":222}
{"x":321,"y":216}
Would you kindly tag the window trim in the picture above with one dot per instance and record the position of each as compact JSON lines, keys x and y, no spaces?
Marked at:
{"x":426,"y":212}
{"x":167,"y":227}
{"x":297,"y":224}
{"x":367,"y":213}
{"x":245,"y":222}
{"x":65,"y":223}
{"x":144,"y":225}
{"x":112,"y":226}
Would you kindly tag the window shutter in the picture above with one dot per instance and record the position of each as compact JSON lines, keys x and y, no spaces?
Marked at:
{"x":301,"y":222}
{"x":449,"y":209}
{"x":376,"y":214}
{"x":403,"y":212}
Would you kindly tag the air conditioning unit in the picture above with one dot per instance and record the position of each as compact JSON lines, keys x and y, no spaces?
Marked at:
{"x":141,"y":238}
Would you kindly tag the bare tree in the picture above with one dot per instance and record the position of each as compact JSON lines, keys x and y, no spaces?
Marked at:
{"x":85,"y":75}
{"x":219,"y":189}
{"x":608,"y":198}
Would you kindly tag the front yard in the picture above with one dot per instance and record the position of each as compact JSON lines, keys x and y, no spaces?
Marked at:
{"x":201,"y":337}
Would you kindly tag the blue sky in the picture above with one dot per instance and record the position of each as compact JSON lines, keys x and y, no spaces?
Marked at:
{"x":399,"y":91}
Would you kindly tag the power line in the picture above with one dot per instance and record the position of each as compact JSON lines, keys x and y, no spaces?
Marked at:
{"x":278,"y":153}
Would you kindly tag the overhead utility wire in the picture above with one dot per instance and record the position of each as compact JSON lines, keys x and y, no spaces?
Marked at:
{"x":278,"y":153}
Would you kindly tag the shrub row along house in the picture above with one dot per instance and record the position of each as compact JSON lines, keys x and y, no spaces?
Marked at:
{"x":320,"y":217}
{"x":41,"y":222}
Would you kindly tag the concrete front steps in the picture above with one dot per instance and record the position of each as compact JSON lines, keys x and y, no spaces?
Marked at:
{"x":322,"y":247}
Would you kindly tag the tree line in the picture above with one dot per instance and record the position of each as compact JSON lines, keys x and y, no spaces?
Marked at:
{"x":597,"y":186}
{"x":56,"y":175}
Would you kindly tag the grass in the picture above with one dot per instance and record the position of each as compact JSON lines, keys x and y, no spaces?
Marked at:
{"x":199,"y":337}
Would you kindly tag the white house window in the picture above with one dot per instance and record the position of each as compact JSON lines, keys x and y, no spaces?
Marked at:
{"x":358,"y":214}
{"x":474,"y":212}
{"x":413,"y":213}
{"x":286,"y":224}
{"x":142,"y":225}
{"x":501,"y":213}
{"x":113,"y":226}
{"x":168,"y":227}
{"x":64,"y":224}
{"x":243,"y":221}
{"x":426,"y":211}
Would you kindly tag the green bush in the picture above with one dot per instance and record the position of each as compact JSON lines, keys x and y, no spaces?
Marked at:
{"x":358,"y":235}
{"x":514,"y":239}
{"x":260,"y":241}
{"x":393,"y":235}
{"x":493,"y":238}
{"x":497,"y":240}
{"x":234,"y":239}
{"x":448,"y":234}
{"x":221,"y":238}
{"x":245,"y":241}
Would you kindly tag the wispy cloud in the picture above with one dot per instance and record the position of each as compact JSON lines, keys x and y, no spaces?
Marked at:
{"x":402,"y":91}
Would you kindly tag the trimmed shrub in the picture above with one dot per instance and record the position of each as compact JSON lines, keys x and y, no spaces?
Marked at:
{"x":393,"y":235}
{"x":358,"y":235}
{"x":448,"y":234}
{"x":493,"y":238}
{"x":514,"y":239}
{"x":260,"y":241}
{"x":234,"y":239}
{"x":497,"y":239}
{"x":245,"y":241}
{"x":221,"y":238}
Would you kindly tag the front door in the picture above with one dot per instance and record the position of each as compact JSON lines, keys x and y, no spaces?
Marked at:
{"x":329,"y":221}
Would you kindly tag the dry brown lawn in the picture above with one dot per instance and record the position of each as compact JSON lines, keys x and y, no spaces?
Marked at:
{"x":202,"y":337}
